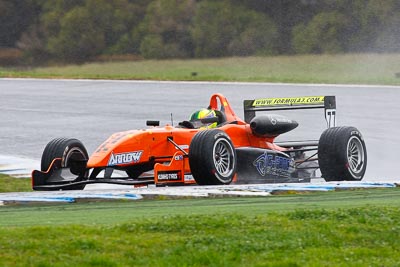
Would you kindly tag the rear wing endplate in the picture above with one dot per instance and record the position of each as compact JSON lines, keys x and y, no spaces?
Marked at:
{"x":328,"y":103}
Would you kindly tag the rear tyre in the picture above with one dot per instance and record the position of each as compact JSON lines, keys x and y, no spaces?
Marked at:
{"x":342,"y":155}
{"x":73,"y":155}
{"x":212,"y":158}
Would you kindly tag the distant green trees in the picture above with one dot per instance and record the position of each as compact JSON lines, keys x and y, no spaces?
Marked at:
{"x":323,"y":34}
{"x":80,"y":30}
{"x":350,"y":26}
{"x":222,"y":29}
{"x":16,"y":16}
{"x":77,"y":30}
{"x":166,"y":29}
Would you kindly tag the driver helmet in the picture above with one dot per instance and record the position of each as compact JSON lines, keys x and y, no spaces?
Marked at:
{"x":196,"y":117}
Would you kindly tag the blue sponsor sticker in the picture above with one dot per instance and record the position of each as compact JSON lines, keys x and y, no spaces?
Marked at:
{"x":271,"y":164}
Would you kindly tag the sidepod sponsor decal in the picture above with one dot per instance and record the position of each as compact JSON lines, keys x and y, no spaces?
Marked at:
{"x":308,"y":100}
{"x":271,"y":164}
{"x":124,"y":158}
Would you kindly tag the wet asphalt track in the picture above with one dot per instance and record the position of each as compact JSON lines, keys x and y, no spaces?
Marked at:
{"x":32,"y":112}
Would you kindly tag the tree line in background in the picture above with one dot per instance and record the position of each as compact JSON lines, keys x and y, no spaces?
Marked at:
{"x":80,"y":30}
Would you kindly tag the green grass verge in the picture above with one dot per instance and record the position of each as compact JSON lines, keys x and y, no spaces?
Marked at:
{"x":10,"y":184}
{"x":346,"y":228}
{"x":346,"y":69}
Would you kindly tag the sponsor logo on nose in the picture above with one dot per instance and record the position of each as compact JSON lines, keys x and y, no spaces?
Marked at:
{"x":124,"y":158}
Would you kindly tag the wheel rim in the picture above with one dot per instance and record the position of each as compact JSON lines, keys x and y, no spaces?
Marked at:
{"x":73,"y":152}
{"x":223,"y":158}
{"x":355,"y":155}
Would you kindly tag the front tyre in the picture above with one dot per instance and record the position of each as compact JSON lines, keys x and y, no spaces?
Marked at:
{"x":342,"y":154}
{"x":212,"y":158}
{"x":73,"y":155}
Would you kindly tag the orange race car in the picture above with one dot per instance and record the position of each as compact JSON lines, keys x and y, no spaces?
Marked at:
{"x":214,"y":147}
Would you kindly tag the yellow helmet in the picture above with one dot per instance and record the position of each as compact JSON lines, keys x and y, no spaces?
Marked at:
{"x":204,"y":113}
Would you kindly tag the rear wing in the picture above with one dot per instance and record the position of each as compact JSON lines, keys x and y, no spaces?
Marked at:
{"x":328,"y":103}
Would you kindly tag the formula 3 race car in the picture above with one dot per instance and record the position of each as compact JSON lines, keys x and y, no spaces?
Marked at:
{"x":235,"y":151}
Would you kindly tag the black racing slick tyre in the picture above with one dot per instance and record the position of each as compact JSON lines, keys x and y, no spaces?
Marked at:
{"x":342,"y":155}
{"x":72,"y":153}
{"x":212,"y":158}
